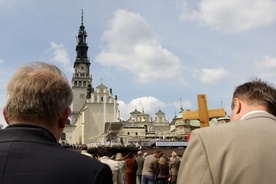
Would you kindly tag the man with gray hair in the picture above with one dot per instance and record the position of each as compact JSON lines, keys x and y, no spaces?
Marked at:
{"x":36,"y":111}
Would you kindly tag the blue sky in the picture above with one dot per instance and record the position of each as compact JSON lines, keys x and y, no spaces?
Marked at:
{"x":156,"y":54}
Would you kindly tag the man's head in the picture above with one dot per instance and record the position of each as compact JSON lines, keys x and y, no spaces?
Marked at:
{"x":139,"y":153}
{"x":38,"y":94}
{"x":119,"y":157}
{"x":253,"y":95}
{"x":174,"y":154}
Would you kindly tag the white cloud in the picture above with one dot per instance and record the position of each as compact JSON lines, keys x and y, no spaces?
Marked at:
{"x":2,"y":61}
{"x":267,"y":65}
{"x":231,"y":16}
{"x":131,"y":46}
{"x":206,"y":75}
{"x":60,"y":55}
{"x":150,"y":105}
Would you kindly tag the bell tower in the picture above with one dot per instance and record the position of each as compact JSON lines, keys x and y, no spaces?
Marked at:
{"x":81,"y":77}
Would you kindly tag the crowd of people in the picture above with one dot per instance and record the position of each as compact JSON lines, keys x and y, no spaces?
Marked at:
{"x":141,"y":168}
{"x":37,"y":108}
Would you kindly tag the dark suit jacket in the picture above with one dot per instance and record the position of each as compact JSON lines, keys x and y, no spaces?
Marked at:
{"x":30,"y":155}
{"x":239,"y":152}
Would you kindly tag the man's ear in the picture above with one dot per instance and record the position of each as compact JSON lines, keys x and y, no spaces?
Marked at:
{"x":238,"y":106}
{"x":63,"y":120}
{"x":6,"y":116}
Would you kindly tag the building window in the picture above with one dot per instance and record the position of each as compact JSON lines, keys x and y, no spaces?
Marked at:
{"x":128,"y":133}
{"x":136,"y":133}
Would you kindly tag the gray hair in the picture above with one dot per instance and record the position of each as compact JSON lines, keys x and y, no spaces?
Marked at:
{"x":38,"y":91}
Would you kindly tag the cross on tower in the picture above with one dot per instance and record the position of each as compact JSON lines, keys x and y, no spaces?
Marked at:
{"x":203,"y":114}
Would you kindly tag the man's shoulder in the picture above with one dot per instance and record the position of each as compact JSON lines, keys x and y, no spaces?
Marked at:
{"x":221,"y":127}
{"x":151,"y":158}
{"x":240,"y":124}
{"x":213,"y":132}
{"x":77,"y":158}
{"x":84,"y":165}
{"x":256,"y":115}
{"x":226,"y":130}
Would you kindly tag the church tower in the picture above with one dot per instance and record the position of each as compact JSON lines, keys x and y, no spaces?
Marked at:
{"x":81,"y":77}
{"x":92,"y":110}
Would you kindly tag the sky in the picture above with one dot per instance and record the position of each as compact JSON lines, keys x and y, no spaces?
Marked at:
{"x":155,"y":55}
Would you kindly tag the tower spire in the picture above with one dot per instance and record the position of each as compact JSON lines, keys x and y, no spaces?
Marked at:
{"x":82,"y":47}
{"x":82,"y":80}
{"x":81,"y":17}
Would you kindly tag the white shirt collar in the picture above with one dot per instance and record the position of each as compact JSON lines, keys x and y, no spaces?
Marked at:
{"x":252,"y":112}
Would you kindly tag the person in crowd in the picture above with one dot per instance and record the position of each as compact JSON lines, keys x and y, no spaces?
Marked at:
{"x":122,"y":165}
{"x":174,"y":164}
{"x":131,"y":168}
{"x":103,"y":156}
{"x":140,"y":163}
{"x":36,"y":111}
{"x":163,"y":173}
{"x":242,"y":151}
{"x":84,"y":151}
{"x":150,"y":167}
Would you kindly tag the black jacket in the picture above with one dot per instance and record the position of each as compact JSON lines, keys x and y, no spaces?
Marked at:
{"x":31,"y":155}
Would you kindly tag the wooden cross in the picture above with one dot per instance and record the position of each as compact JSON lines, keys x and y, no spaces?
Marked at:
{"x":203,"y":114}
